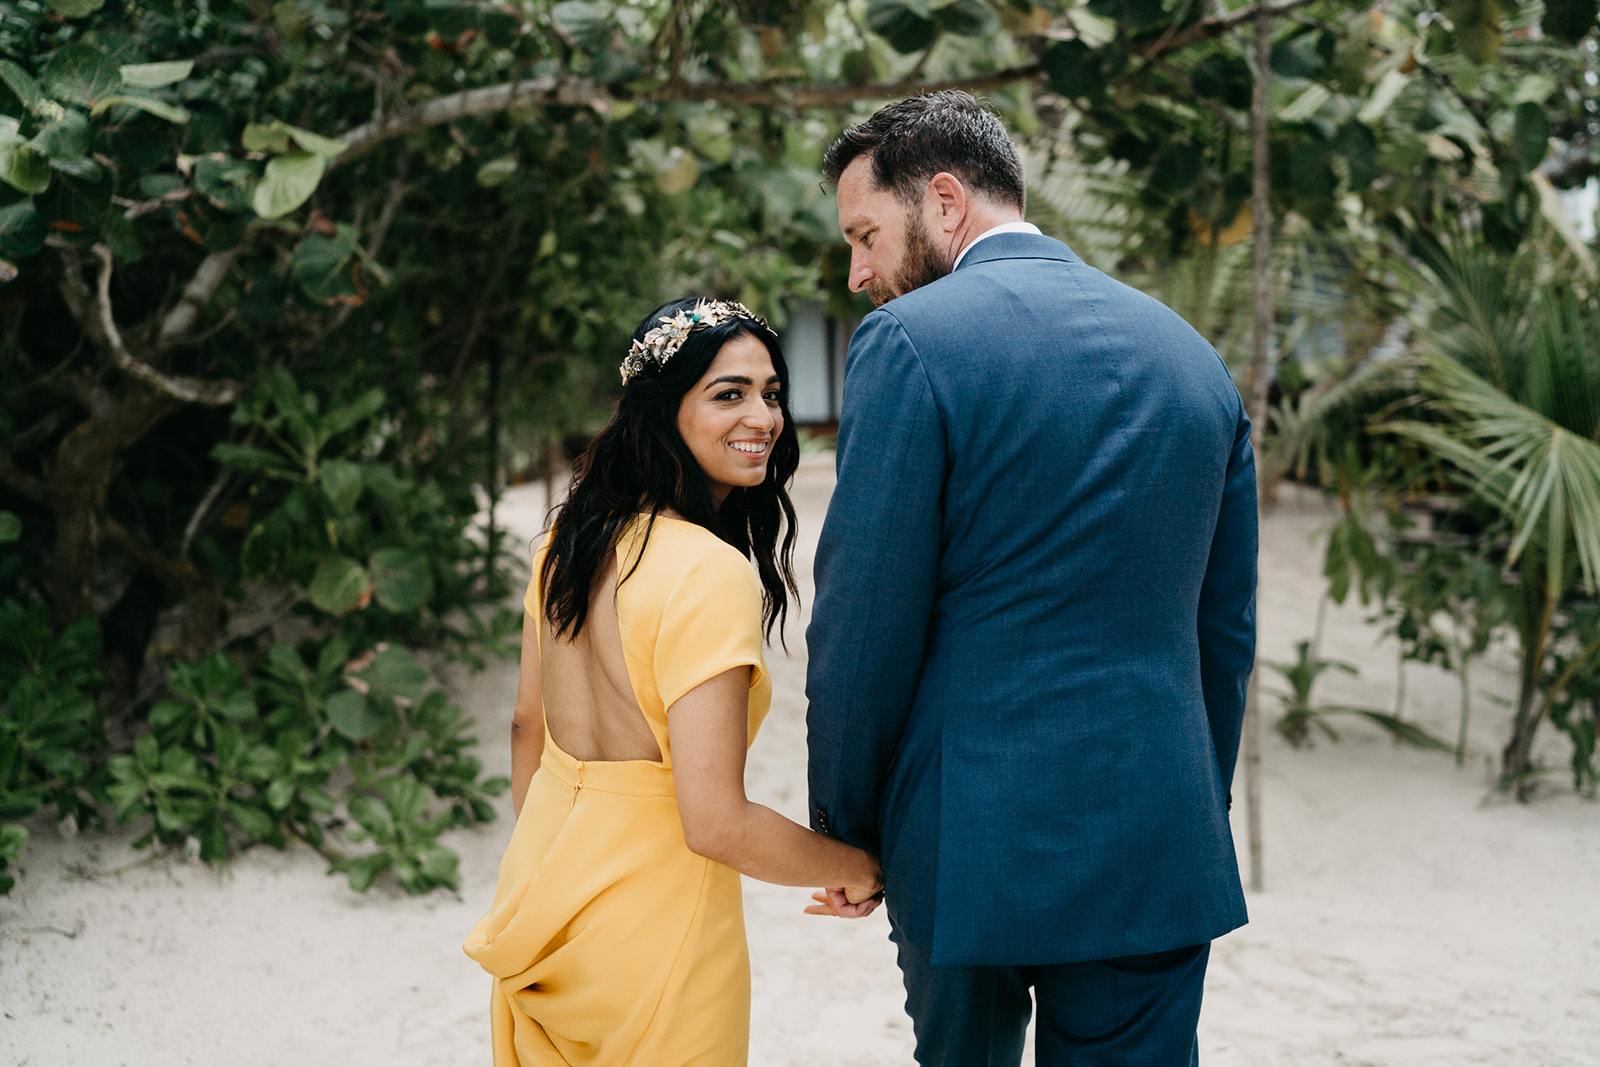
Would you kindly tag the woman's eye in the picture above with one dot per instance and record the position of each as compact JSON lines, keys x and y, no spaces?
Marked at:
{"x":731,"y":394}
{"x":774,"y":397}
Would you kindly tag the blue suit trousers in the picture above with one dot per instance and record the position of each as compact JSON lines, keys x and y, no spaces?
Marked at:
{"x":1136,"y":1011}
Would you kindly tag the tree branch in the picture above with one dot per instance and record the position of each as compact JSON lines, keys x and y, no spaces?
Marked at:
{"x":198,"y":293}
{"x":189,"y":390}
{"x":579,"y":92}
{"x":1204,"y":31}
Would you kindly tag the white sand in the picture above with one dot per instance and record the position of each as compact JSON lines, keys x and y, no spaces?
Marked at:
{"x":1409,"y":917}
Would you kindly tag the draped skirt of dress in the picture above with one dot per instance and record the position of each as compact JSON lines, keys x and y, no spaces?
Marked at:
{"x":608,"y":940}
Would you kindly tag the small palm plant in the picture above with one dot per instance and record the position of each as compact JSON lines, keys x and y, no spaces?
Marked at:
{"x":1300,"y":714}
{"x":1513,"y":380}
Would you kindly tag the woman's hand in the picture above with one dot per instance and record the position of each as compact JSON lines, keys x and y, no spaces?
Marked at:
{"x":837,"y":902}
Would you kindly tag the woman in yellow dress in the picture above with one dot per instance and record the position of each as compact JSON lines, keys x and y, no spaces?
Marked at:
{"x":617,"y":930}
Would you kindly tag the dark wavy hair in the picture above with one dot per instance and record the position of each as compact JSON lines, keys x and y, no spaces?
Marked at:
{"x":910,"y":141}
{"x":640,"y":464}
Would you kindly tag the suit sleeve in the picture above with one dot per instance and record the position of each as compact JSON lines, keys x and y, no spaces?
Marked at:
{"x":1227,"y":613}
{"x":876,"y":569}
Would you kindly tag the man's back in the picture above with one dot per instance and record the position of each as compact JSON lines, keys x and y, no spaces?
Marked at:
{"x":1022,"y":572}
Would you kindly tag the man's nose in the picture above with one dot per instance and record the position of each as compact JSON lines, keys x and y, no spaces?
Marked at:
{"x":860,"y":273}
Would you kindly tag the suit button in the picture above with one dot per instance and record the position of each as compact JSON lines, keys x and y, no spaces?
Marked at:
{"x":822,"y":820}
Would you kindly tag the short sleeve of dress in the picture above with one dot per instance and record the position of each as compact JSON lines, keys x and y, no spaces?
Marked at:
{"x":531,"y":600}
{"x":711,"y":623}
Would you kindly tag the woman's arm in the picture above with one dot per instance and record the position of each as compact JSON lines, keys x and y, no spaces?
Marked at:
{"x":709,"y":731}
{"x":527,"y":720}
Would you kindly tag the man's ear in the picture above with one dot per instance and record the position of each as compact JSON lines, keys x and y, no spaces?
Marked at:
{"x":947,"y":199}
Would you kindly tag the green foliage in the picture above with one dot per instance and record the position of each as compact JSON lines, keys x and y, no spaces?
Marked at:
{"x":232,"y":762}
{"x":48,"y":722}
{"x":1300,"y":714}
{"x":396,"y":820}
{"x":372,"y":282}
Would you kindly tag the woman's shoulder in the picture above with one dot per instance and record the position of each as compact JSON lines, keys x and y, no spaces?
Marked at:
{"x":678,"y":549}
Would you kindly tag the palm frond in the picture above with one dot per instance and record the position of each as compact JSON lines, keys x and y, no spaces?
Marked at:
{"x":1541,"y":475}
{"x":1301,"y":432}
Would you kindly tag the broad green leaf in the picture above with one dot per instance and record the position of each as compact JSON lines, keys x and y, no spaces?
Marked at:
{"x":22,"y":229}
{"x":253,"y":821}
{"x":159,"y":108}
{"x":396,"y":671}
{"x":10,"y":527}
{"x":120,"y":236}
{"x":583,"y":22}
{"x":1389,"y":87}
{"x":279,"y":794}
{"x":67,"y":138}
{"x":1530,"y":138}
{"x":81,"y":75}
{"x":1224,"y":77}
{"x":350,"y":714}
{"x":324,"y":267}
{"x":78,"y":199}
{"x":1073,"y":69}
{"x":240,"y":706}
{"x":439,"y":863}
{"x":682,"y":170}
{"x":362,"y":871}
{"x":966,"y":18}
{"x":907,"y":25}
{"x":227,"y":183}
{"x":371,"y":816}
{"x":1360,"y":149}
{"x":25,"y":169}
{"x":406,"y":798}
{"x":1302,"y":56}
{"x":1569,"y":20}
{"x":246,"y":458}
{"x":348,"y":415}
{"x":340,"y":585}
{"x":341,"y":485}
{"x":76,"y":9}
{"x":265,"y":137}
{"x":21,"y":82}
{"x":288,"y":182}
{"x":12,"y":838}
{"x":1133,"y":15}
{"x":497,"y":171}
{"x":1477,"y":26}
{"x":282,"y":138}
{"x":1306,"y":104}
{"x":155,"y":75}
{"x":402,"y":578}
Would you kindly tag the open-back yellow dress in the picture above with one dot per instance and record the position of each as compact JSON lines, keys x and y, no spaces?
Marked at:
{"x":609,"y":941}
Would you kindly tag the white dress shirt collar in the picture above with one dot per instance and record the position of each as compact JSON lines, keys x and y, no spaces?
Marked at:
{"x":1004,"y":227}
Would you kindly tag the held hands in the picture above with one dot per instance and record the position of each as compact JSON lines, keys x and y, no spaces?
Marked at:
{"x":850,"y":902}
{"x":837,"y":902}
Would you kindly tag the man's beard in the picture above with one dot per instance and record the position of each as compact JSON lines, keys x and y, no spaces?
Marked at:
{"x":919,"y":266}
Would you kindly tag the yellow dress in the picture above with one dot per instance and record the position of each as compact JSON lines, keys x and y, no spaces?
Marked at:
{"x":608,"y":940}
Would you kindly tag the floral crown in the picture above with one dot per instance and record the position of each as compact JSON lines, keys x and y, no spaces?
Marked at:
{"x":662,"y":342}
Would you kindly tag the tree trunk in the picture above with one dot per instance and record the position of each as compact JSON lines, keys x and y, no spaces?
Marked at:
{"x":1538,"y":609}
{"x":85,"y":462}
{"x":1256,"y":393}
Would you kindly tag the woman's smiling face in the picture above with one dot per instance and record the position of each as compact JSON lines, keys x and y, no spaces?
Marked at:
{"x":731,"y":417}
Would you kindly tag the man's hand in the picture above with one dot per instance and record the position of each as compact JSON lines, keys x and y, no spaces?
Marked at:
{"x":837,"y":903}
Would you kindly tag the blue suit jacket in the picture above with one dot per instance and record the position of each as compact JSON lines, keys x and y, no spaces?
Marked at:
{"x":1035,"y":615}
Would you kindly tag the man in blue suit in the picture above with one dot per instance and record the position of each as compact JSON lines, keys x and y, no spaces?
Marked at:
{"x":1035,"y":613}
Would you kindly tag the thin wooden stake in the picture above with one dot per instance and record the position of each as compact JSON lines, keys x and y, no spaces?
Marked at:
{"x":1256,"y":385}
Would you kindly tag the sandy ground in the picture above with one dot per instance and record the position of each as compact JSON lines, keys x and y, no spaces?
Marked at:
{"x":1409,"y":916}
